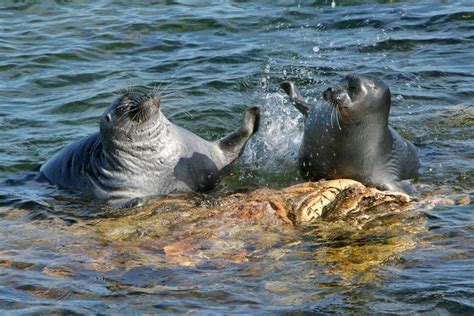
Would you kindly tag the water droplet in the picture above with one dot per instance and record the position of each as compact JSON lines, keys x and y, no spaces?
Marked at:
{"x":316,"y":49}
{"x":267,"y":69}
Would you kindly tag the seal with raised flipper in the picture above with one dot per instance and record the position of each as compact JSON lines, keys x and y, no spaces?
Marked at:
{"x":139,"y":153}
{"x":350,"y":136}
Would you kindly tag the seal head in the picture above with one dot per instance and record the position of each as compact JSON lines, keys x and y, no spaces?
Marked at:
{"x":128,"y":117}
{"x":360,"y":98}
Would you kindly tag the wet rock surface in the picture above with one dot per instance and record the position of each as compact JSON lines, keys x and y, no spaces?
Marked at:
{"x":190,"y":230}
{"x":291,"y":245}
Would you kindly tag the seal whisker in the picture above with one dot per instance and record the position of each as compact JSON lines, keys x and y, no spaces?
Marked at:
{"x":175,"y":98}
{"x":158,"y":89}
{"x":172,"y":88}
{"x":117,"y":92}
{"x":121,"y":91}
{"x":164,"y":88}
{"x":129,"y":88}
{"x":166,"y":93}
{"x":132,"y":119}
{"x":331,"y":118}
{"x":125,"y":114}
{"x":172,"y":96}
{"x":135,"y":115}
{"x":327,"y":113}
{"x":140,"y":114}
{"x":336,"y":114}
{"x":169,"y":93}
{"x":337,"y":118}
{"x":126,"y":111}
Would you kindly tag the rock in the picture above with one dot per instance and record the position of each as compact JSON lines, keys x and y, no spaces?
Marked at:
{"x":193,"y":228}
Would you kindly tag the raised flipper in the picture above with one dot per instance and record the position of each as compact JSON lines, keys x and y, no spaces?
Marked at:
{"x":232,"y":144}
{"x":296,"y":97}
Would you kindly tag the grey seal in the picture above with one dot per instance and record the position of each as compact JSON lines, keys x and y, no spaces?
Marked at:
{"x":350,"y":137}
{"x":139,"y":153}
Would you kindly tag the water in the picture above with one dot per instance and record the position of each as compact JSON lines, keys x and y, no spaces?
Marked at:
{"x":63,"y":62}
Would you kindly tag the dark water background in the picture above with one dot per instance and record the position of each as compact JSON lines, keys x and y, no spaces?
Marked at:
{"x":63,"y":62}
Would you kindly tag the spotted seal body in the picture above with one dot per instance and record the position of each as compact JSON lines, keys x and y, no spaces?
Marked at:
{"x":138,"y":153}
{"x":350,"y":137}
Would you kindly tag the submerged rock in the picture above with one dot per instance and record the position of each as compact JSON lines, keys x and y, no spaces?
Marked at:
{"x":195,"y":229}
{"x":288,"y":242}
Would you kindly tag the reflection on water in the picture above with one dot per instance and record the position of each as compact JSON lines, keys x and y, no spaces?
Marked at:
{"x":62,"y":63}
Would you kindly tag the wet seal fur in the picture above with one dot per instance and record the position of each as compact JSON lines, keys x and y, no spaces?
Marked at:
{"x":350,"y":137}
{"x":139,"y":153}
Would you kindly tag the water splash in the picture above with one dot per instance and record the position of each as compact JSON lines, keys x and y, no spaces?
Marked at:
{"x":276,"y":145}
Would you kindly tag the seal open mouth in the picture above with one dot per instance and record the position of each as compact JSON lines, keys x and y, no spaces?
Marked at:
{"x":138,"y":106}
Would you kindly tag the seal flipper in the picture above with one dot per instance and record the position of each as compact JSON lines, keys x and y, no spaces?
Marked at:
{"x":296,"y":97}
{"x":232,"y":144}
{"x":403,"y":187}
{"x":134,"y":203}
{"x":396,"y":186}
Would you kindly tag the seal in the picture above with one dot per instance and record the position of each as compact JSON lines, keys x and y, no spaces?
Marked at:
{"x":139,"y":153}
{"x":350,"y":136}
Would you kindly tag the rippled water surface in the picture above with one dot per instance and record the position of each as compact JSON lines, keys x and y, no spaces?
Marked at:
{"x":63,"y":62}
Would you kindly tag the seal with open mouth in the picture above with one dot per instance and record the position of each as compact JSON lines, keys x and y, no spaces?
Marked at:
{"x":139,"y":153}
{"x":350,"y":137}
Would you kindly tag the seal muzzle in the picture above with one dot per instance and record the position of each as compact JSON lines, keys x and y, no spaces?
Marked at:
{"x":139,"y":107}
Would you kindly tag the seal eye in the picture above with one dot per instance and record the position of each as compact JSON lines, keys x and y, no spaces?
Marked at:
{"x":108,"y":117}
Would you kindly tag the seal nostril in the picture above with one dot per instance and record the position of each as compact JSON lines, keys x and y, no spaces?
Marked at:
{"x":154,"y":98}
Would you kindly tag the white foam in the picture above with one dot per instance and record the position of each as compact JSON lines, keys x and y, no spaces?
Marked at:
{"x":276,"y":144}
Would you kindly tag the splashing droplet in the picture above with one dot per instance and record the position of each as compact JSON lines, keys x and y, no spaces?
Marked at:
{"x":279,"y":135}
